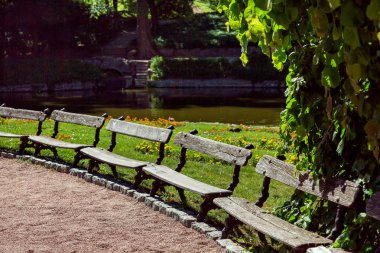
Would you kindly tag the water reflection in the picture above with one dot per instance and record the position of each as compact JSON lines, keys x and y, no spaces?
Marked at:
{"x":247,"y":106}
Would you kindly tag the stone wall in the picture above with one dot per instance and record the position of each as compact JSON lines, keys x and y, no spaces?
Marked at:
{"x":214,"y":83}
{"x":205,"y":52}
{"x":43,"y":87}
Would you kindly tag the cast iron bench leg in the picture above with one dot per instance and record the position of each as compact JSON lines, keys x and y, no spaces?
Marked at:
{"x":91,"y":165}
{"x":114,"y":172}
{"x":229,"y":225}
{"x":23,"y":145}
{"x":77,"y":159}
{"x":181,"y":194}
{"x":156,"y":185}
{"x":206,"y":206}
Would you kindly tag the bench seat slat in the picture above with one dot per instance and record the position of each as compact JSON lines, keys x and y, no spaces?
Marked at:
{"x":268,"y":224}
{"x":22,"y":114}
{"x":9,"y":135}
{"x":56,"y":143}
{"x":141,"y":131}
{"x":179,"y":180}
{"x":338,"y":250}
{"x":229,"y":153}
{"x":76,"y":118}
{"x":112,"y":158}
{"x":373,"y":206}
{"x":342,"y":192}
{"x":322,"y":249}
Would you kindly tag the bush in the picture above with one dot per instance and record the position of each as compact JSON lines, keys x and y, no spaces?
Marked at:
{"x":157,"y":65}
{"x":259,"y":69}
{"x":174,"y":9}
{"x":47,"y":71}
{"x":198,"y":31}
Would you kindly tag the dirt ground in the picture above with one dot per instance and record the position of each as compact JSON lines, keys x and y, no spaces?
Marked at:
{"x":46,"y":211}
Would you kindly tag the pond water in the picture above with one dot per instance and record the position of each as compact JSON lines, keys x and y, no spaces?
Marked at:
{"x":239,"y":106}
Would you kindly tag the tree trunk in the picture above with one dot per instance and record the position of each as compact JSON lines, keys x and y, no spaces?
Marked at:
{"x":144,"y":37}
{"x":115,"y":3}
{"x":154,"y":14}
{"x":116,"y":19}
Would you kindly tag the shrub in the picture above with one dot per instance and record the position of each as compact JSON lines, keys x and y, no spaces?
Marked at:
{"x":157,"y":65}
{"x":197,"y":31}
{"x":49,"y":71}
{"x":258,"y":69}
{"x":174,"y":8}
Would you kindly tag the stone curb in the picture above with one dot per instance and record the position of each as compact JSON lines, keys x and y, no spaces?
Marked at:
{"x":230,"y":246}
{"x":186,"y":218}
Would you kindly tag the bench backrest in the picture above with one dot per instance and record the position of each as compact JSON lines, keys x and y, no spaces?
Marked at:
{"x":140,"y":131}
{"x":8,"y":112}
{"x":342,"y":192}
{"x":226,"y":152}
{"x":151,"y":133}
{"x":76,"y":118}
{"x":232,"y":154}
{"x":373,"y":206}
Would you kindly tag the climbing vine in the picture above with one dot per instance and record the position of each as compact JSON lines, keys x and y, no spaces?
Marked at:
{"x":332,"y":115}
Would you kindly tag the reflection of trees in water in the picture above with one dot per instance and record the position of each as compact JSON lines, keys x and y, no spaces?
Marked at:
{"x":243,"y":97}
{"x":156,"y":101}
{"x":144,"y":99}
{"x":143,"y":103}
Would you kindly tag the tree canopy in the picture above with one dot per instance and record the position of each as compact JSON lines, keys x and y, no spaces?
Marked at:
{"x":332,"y":115}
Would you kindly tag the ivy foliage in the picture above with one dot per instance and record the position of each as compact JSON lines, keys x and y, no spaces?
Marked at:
{"x":332,"y":115}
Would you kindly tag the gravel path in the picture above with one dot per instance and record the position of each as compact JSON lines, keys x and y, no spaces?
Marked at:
{"x":46,"y":211}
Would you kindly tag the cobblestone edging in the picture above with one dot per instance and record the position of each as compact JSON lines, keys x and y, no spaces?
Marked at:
{"x":186,"y":218}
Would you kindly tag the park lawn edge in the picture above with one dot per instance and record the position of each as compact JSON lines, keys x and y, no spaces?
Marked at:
{"x":198,"y":167}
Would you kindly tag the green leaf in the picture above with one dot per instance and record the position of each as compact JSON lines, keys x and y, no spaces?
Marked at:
{"x":234,"y":10}
{"x":292,"y":13}
{"x":351,"y":36}
{"x":244,"y":58}
{"x":340,"y":147}
{"x":265,"y":5}
{"x":256,"y":27}
{"x":373,"y":10}
{"x":280,"y":55}
{"x":280,"y":19}
{"x":368,"y":248}
{"x":361,"y":218}
{"x":348,"y":11}
{"x":330,"y":76}
{"x":222,"y":5}
{"x":336,"y":33}
{"x":354,"y":71}
{"x":372,"y":129}
{"x":362,"y":55}
{"x":334,"y":4}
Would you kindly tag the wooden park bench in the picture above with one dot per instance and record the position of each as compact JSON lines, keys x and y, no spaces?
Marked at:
{"x":52,"y":143}
{"x":373,"y":210}
{"x":342,"y":192}
{"x":163,"y":175}
{"x":7,"y":112}
{"x":118,"y":126}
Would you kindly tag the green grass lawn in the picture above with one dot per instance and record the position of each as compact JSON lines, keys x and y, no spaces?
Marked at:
{"x":200,"y":167}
